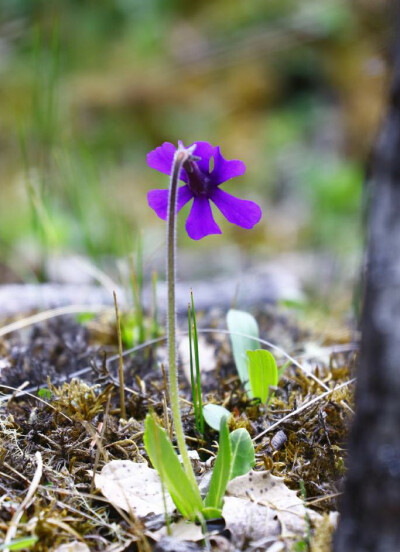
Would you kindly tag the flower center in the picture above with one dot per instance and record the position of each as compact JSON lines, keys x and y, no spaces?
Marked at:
{"x":198,"y":182}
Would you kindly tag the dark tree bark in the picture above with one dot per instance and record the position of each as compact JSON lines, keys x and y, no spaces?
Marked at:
{"x":370,"y":510}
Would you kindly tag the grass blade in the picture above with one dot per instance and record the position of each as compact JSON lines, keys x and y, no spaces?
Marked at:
{"x":192,"y":380}
{"x":198,"y":374}
{"x":222,"y":470}
{"x":165,"y":460}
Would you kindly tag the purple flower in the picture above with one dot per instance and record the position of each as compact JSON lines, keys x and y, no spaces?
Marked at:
{"x":202,"y":180}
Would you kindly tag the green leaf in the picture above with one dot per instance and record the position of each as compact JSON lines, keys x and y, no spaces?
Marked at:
{"x":221,"y":471}
{"x":165,"y":460}
{"x":211,"y":513}
{"x":300,"y":546}
{"x":213,"y":414}
{"x":263,"y":373}
{"x":240,"y":322}
{"x":44,"y":393}
{"x":243,"y":458}
{"x":20,"y":544}
{"x":195,"y":382}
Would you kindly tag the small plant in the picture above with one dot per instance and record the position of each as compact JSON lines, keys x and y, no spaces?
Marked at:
{"x":244,"y":334}
{"x":192,"y":166}
{"x":257,"y":368}
{"x":195,"y":378}
{"x":235,"y":457}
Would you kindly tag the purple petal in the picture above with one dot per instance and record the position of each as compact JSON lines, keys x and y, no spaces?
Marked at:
{"x":200,"y":222}
{"x":205,"y":151}
{"x":237,"y":211}
{"x":225,"y":170}
{"x":161,"y":159}
{"x":158,"y":200}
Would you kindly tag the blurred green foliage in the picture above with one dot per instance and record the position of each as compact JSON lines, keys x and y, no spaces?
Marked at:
{"x":295,"y":89}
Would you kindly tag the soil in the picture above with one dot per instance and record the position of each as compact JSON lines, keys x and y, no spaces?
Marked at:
{"x":73,"y":402}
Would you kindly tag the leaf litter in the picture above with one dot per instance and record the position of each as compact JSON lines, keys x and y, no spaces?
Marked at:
{"x":76,"y":427}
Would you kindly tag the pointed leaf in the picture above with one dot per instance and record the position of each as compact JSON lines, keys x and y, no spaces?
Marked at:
{"x":213,"y":414}
{"x":211,"y":513}
{"x":221,"y":471}
{"x":263,"y":373}
{"x":165,"y":460}
{"x":243,"y":458}
{"x":240,"y":322}
{"x":19,"y":544}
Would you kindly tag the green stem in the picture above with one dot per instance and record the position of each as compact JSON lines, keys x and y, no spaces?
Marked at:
{"x":182,"y":155}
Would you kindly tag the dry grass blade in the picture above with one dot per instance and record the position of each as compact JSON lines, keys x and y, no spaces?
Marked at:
{"x":303,"y":407}
{"x":271,"y":346}
{"x":120,"y":360}
{"x":12,"y":529}
{"x":47,"y":315}
{"x":65,"y":527}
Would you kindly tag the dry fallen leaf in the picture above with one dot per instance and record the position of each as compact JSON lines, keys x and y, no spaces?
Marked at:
{"x":260,"y":508}
{"x":74,"y":546}
{"x":133,"y":487}
{"x":182,"y":530}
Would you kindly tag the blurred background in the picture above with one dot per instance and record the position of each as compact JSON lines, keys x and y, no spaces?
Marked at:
{"x":294,"y":88}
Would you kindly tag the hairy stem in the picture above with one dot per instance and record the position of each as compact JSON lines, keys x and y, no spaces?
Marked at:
{"x":182,"y":155}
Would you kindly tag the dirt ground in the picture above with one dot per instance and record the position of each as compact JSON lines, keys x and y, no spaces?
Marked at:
{"x":69,"y":412}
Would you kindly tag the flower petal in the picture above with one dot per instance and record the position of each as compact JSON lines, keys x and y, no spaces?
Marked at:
{"x":200,"y":222}
{"x":205,"y":151}
{"x":161,"y":159}
{"x":237,"y":211}
{"x":225,"y":170}
{"x":158,"y":200}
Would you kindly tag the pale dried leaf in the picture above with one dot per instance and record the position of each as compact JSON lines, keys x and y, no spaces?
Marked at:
{"x":248,"y":520}
{"x":133,"y":487}
{"x":182,"y":530}
{"x":260,"y":507}
{"x":74,"y":546}
{"x":277,"y":547}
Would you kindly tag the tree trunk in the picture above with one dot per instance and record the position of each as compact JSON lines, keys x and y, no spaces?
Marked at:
{"x":370,"y":510}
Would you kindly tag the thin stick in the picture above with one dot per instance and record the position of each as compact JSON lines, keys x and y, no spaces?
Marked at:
{"x":166,"y":417}
{"x":99,"y":440}
{"x":275,"y":348}
{"x":12,"y":528}
{"x":47,"y":315}
{"x":303,"y":407}
{"x":313,"y":501}
{"x":165,"y":380}
{"x":18,"y":389}
{"x":121,"y":361}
